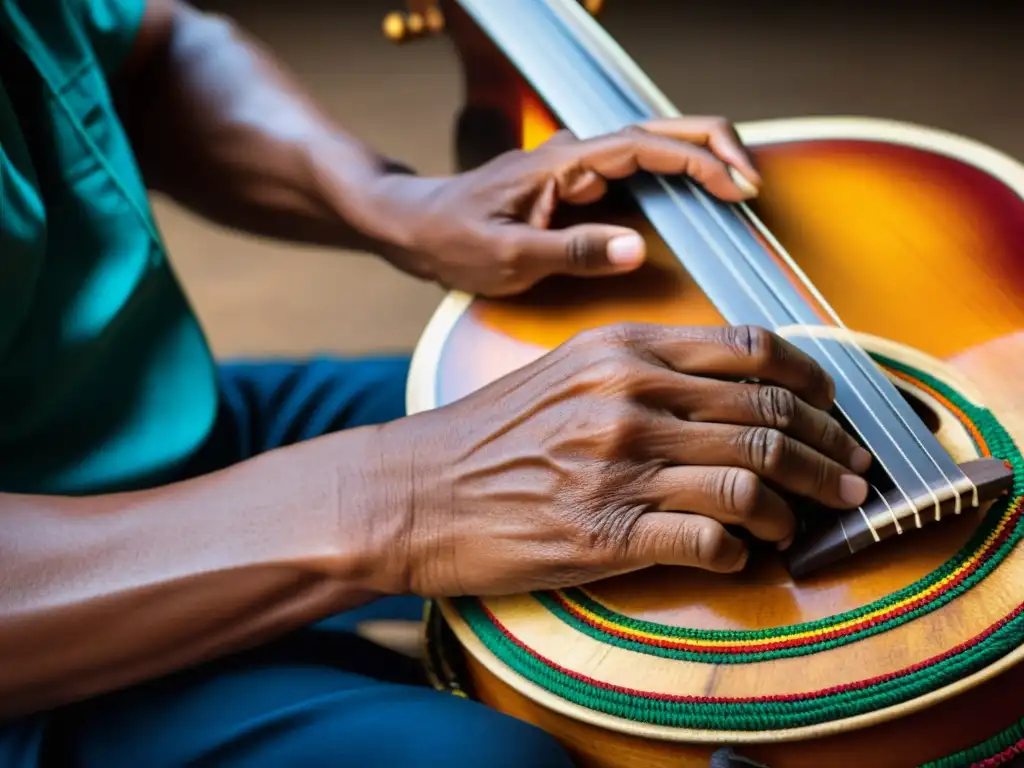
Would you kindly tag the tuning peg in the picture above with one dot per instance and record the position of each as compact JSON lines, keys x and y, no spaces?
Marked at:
{"x":394,"y":27}
{"x":425,"y":18}
{"x":434,"y":19}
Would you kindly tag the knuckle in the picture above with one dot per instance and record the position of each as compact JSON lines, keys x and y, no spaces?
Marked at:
{"x":623,"y":342}
{"x":589,"y":337}
{"x":704,"y":165}
{"x":622,"y":334}
{"x":590,"y":349}
{"x":777,"y":407}
{"x":629,"y":140}
{"x":754,"y":342}
{"x":619,"y":376}
{"x":687,"y":544}
{"x":606,"y":536}
{"x":568,"y":172}
{"x":721,"y":124}
{"x":508,"y":251}
{"x":633,"y":131}
{"x":832,"y":434}
{"x":822,"y":476}
{"x":767,"y":448}
{"x":738,"y":492}
{"x":582,"y":252}
{"x":705,"y":545}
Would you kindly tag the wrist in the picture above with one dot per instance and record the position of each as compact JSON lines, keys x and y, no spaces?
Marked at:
{"x":396,"y":209}
{"x":334,"y":506}
{"x":362,"y":193}
{"x":375,"y":497}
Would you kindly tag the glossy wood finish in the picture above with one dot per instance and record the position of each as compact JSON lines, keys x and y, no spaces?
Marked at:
{"x":915,"y":238}
{"x":490,"y":338}
{"x":845,"y":260}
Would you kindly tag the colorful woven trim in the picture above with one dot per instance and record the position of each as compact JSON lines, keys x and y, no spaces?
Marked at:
{"x":995,"y":538}
{"x":999,"y":750}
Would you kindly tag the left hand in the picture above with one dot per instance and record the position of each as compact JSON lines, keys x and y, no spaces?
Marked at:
{"x":487,"y":231}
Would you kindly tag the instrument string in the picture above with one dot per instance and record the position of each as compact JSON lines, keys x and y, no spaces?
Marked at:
{"x":787,"y":307}
{"x":603,"y":43}
{"x":774,"y":320}
{"x":934,"y":497}
{"x":861,"y":354}
{"x":875,"y":450}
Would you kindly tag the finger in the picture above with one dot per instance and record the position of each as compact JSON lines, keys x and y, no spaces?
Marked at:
{"x":670,"y":538}
{"x":730,"y":495}
{"x":738,"y":353}
{"x":619,"y":155}
{"x":717,"y":134}
{"x":773,"y":456}
{"x":584,"y":250}
{"x":587,"y":188}
{"x":699,"y":399}
{"x":757,"y":405}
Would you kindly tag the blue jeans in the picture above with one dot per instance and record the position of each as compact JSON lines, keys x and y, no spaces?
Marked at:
{"x":322,"y":696}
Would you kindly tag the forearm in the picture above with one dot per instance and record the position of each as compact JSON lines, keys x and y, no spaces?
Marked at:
{"x":103,"y":592}
{"x":226,"y":131}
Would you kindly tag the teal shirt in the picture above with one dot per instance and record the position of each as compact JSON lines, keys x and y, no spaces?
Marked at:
{"x":106,"y":380}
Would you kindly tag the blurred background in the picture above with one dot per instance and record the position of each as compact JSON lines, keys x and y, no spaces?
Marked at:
{"x":955,"y":66}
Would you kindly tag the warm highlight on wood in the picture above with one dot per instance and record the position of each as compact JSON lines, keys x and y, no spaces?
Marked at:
{"x":916,"y":239}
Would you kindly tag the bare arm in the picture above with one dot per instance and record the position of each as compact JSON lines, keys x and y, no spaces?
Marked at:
{"x":103,"y":592}
{"x":224,"y":129}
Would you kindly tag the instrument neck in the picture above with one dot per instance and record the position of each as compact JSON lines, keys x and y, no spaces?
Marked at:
{"x":572,"y":64}
{"x":593,"y":87}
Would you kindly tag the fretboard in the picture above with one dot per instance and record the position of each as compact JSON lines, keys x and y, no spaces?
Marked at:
{"x":591,"y":94}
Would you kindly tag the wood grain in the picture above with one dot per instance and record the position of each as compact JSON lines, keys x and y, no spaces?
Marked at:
{"x":915,"y":239}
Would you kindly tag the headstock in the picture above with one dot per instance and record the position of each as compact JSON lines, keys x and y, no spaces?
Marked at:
{"x":423,"y":18}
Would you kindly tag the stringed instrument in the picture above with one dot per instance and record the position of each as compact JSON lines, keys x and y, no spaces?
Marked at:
{"x":893,"y":254}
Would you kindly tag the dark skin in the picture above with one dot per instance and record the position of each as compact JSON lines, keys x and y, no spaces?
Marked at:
{"x":621,"y":449}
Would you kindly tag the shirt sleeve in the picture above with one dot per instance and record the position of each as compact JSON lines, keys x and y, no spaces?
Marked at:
{"x":111,"y":26}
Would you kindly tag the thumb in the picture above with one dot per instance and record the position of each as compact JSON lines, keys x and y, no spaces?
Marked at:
{"x":584,"y":249}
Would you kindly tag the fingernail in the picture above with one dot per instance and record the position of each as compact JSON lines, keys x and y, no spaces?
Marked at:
{"x":786,"y":543}
{"x":860,"y":460}
{"x":626,"y":250}
{"x":853,"y":489}
{"x":741,"y":181}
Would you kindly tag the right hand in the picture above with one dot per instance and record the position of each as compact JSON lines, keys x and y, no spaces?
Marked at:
{"x":625,"y":447}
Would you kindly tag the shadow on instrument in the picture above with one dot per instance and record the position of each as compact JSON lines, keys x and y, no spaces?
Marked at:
{"x":904,"y":652}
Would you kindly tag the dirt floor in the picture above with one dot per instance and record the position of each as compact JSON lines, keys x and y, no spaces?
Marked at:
{"x":960,"y":73}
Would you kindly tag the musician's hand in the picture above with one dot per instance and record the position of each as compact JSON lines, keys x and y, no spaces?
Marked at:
{"x":623,"y":448}
{"x":486,"y":231}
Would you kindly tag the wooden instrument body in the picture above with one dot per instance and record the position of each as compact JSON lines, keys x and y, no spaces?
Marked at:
{"x":916,"y":238}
